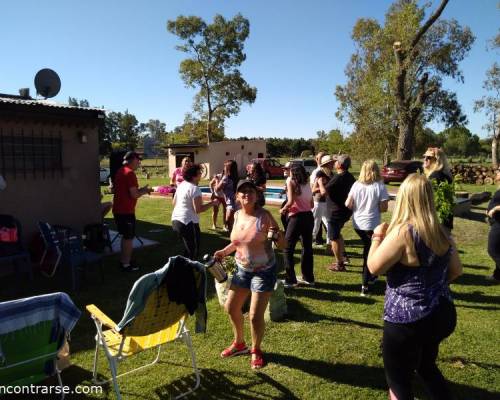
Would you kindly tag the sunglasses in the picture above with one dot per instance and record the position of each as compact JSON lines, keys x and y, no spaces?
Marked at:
{"x":429,"y":158}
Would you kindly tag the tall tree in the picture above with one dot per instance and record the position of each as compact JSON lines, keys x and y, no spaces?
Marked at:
{"x":215,"y":53}
{"x":490,"y":105}
{"x":387,"y":100}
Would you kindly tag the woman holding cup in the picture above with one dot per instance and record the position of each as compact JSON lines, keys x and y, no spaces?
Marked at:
{"x":252,"y":235}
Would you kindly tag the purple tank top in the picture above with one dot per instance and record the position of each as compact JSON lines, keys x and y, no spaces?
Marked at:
{"x":413,"y":292}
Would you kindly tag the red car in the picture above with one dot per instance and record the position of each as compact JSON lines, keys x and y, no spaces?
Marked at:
{"x":397,"y":171}
{"x":272,"y":167}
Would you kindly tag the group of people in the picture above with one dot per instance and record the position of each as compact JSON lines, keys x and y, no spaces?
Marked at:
{"x":415,"y":250}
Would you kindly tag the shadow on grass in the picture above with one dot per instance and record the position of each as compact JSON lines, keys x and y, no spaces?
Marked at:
{"x":218,"y":385}
{"x":298,"y":313}
{"x":349,"y":374}
{"x":474,"y":216}
{"x":484,"y":308}
{"x":473,"y":280}
{"x":476,"y":297}
{"x":333,"y":296}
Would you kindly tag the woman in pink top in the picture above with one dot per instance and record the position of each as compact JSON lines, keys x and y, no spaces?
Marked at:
{"x":177,"y":176}
{"x":256,"y":272}
{"x":300,"y":226}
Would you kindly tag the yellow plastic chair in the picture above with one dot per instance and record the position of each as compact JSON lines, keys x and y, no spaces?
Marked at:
{"x":160,"y":322}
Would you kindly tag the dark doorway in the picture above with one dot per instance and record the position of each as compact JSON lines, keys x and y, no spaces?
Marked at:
{"x":180,"y":156}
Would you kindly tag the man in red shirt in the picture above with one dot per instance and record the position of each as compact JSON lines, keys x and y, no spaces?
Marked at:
{"x":126,"y":193}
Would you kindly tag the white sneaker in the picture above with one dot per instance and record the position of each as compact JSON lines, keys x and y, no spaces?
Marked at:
{"x":303,"y":282}
{"x":287,"y":285}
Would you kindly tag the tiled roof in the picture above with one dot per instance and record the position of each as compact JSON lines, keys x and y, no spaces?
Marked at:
{"x":44,"y":103}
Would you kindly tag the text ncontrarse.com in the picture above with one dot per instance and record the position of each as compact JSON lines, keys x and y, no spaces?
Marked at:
{"x":57,"y":390}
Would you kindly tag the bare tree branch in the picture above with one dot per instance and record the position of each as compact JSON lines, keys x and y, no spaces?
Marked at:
{"x":425,"y":27}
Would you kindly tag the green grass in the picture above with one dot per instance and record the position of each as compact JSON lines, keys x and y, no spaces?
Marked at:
{"x":327,"y":348}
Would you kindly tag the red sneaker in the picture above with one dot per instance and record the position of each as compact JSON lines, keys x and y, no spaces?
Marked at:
{"x":234,"y":350}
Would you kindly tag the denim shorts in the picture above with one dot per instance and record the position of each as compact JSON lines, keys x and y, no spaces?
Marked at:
{"x":260,"y":281}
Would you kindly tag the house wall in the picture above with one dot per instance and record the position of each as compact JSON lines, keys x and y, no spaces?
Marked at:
{"x":213,"y":156}
{"x":72,"y":199}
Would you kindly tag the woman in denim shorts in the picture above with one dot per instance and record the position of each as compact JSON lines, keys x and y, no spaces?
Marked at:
{"x":256,"y":273}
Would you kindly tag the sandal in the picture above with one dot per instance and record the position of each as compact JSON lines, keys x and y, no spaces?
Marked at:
{"x":234,"y":350}
{"x":337,"y":267}
{"x":257,"y":362}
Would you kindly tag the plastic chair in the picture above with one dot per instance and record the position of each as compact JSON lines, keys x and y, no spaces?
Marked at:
{"x":32,"y":332}
{"x":15,"y":253}
{"x":160,"y":322}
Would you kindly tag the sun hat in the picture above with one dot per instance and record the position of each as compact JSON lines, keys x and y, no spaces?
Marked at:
{"x":245,"y":183}
{"x":326,"y":160}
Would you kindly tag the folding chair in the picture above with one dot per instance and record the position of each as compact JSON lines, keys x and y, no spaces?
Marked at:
{"x":160,"y":322}
{"x":32,"y":332}
{"x":52,"y":243}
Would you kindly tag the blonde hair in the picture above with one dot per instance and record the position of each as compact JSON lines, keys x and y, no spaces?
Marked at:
{"x":440,"y":163}
{"x":326,"y":171}
{"x":369,"y":173}
{"x":415,"y":205}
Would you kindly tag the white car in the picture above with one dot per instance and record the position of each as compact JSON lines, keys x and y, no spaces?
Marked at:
{"x":104,"y":175}
{"x":308,"y":163}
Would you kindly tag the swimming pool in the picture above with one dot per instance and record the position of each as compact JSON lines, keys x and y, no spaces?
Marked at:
{"x":273,"y":194}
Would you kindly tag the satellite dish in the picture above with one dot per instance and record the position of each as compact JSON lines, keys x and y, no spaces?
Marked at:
{"x":47,"y":83}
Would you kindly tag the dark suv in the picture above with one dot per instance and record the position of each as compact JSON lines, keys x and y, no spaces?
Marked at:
{"x":397,"y":171}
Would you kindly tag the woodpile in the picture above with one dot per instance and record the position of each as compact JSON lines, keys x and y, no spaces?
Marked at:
{"x":478,"y":174}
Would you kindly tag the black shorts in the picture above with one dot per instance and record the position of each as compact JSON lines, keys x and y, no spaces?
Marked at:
{"x":335,"y":225}
{"x":125,"y":224}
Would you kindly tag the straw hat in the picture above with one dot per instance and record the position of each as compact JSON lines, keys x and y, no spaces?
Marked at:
{"x":326,"y":160}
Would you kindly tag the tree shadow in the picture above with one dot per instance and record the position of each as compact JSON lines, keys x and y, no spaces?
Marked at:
{"x":476,"y":297}
{"x":479,"y":267}
{"x":349,"y":374}
{"x":297,"y":312}
{"x":484,"y":308}
{"x":474,"y":216}
{"x":473,"y":280}
{"x":332,"y":296}
{"x":216,"y":385}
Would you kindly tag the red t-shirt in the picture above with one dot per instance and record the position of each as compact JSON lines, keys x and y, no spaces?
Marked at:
{"x":123,"y":202}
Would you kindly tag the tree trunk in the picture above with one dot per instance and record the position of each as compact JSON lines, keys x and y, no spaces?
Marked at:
{"x":209,"y":126}
{"x":405,"y":140}
{"x":494,"y":151}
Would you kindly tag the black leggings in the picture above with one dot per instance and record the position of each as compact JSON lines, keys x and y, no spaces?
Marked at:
{"x":414,"y":347}
{"x":366,"y":238}
{"x":300,"y":226}
{"x":494,"y":248}
{"x":190,"y":237}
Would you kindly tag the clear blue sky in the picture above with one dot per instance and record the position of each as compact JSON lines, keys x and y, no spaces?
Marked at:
{"x":118,"y":54}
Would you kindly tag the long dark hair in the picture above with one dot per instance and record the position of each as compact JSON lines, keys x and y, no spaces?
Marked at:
{"x":233,"y":172}
{"x":258,"y":175}
{"x":299,"y":177}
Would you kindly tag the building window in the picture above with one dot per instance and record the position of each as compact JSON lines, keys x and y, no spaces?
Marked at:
{"x":227,"y":153}
{"x":249,"y":153}
{"x":28,"y":154}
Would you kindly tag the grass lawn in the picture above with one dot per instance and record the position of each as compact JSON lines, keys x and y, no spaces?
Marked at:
{"x":327,"y":348}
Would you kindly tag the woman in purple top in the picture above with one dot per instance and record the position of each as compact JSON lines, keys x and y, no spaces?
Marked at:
{"x":420,"y":260}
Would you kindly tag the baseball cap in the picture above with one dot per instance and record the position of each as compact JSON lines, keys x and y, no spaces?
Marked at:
{"x":344,"y":160}
{"x":130,"y":155}
{"x":245,"y":183}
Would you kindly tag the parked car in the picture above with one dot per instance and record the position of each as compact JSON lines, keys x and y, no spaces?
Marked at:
{"x":308,"y":163}
{"x":272,"y":167}
{"x":397,"y":171}
{"x":104,"y":175}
